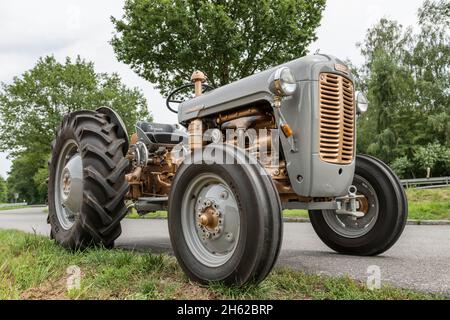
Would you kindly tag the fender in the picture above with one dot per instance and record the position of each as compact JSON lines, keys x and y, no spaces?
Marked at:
{"x":121,"y":128}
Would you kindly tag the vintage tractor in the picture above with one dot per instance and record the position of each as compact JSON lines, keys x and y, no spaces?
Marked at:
{"x":280,"y":139}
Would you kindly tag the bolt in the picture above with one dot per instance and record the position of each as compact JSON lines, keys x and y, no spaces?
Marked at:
{"x":230,"y":237}
{"x":224,"y":195}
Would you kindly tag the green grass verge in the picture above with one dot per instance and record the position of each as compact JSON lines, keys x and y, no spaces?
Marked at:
{"x":429,"y":204}
{"x":12,"y":207}
{"x":34,"y":267}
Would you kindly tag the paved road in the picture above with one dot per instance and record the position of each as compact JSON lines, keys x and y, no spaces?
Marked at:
{"x":420,"y":260}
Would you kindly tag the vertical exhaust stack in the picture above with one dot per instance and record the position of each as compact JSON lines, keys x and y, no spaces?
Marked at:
{"x":195,"y":127}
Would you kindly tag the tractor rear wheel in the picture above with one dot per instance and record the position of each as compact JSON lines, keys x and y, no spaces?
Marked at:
{"x":87,"y":185}
{"x":385,"y":207}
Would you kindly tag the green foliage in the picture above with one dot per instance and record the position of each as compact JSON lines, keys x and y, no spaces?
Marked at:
{"x":407,"y":79}
{"x":433,"y":156}
{"x":164,"y":41}
{"x":40,"y":182}
{"x":402,"y":166}
{"x":3,"y":190}
{"x":20,"y":179}
{"x":32,"y":107}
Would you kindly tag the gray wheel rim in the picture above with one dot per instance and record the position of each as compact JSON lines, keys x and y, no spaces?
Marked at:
{"x":209,"y":195}
{"x":349,"y":227}
{"x":68,"y":184}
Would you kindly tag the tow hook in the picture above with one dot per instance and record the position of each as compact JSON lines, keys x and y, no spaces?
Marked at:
{"x":348,"y":205}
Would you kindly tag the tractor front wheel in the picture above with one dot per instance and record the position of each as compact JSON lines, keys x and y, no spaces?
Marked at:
{"x":385,"y":212}
{"x":225,"y":222}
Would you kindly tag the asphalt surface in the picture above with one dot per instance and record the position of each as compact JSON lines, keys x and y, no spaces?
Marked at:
{"x":420,"y":260}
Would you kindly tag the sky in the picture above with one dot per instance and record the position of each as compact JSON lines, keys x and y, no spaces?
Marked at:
{"x":31,"y":29}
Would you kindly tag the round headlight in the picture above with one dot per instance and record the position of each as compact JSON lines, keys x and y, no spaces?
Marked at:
{"x":361,"y":102}
{"x":284,"y":83}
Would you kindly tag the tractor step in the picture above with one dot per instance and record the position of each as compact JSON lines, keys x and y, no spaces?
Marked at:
{"x":145,"y":205}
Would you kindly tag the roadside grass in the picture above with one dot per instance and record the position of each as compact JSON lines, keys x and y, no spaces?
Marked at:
{"x":12,"y":207}
{"x":423,"y":204}
{"x":429,"y":204}
{"x":34,"y":267}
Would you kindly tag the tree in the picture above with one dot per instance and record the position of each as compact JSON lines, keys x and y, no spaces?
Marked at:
{"x":3,"y":190}
{"x":20,"y":178}
{"x":434,"y":156}
{"x":164,"y":41}
{"x":407,"y":80}
{"x":32,"y":106}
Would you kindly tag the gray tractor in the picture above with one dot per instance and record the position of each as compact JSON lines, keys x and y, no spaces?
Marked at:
{"x":284,"y":138}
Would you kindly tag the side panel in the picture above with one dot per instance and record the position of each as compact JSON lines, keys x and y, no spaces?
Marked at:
{"x":308,"y":174}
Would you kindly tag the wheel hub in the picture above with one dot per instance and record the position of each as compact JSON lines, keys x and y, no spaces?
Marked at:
{"x":354,"y":227}
{"x":69,"y":184}
{"x":363,"y":205}
{"x":209,"y":218}
{"x":211,"y":229}
{"x":72,"y":185}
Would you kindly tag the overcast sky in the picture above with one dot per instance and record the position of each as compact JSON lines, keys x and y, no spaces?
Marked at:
{"x":30,"y":29}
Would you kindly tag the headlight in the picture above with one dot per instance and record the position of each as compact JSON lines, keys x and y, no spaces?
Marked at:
{"x":283,"y":83}
{"x":361,"y":102}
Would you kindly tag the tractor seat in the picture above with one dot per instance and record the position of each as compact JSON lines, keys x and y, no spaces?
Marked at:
{"x":161,"y":133}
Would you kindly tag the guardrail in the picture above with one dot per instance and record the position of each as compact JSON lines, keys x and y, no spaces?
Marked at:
{"x":426,"y":183}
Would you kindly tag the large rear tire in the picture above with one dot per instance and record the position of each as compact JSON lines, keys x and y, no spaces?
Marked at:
{"x":386,"y":210}
{"x":87,"y":185}
{"x":225,"y":222}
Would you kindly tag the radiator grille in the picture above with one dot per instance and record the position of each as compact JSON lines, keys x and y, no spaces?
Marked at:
{"x":337,"y":119}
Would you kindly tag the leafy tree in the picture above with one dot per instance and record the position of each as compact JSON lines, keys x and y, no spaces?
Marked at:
{"x":402,"y":166}
{"x":32,"y":106}
{"x":20,"y":178}
{"x":433,"y":156}
{"x":3,"y":190}
{"x":164,"y":41}
{"x":407,"y":80}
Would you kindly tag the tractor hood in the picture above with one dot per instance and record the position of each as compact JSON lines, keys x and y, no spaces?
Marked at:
{"x":255,"y":88}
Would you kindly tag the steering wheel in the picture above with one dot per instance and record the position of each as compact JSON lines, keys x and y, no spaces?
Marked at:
{"x":177,"y":95}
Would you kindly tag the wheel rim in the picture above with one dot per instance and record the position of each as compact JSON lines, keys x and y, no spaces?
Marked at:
{"x":351,"y":227}
{"x":68,"y":184}
{"x":210,"y":220}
